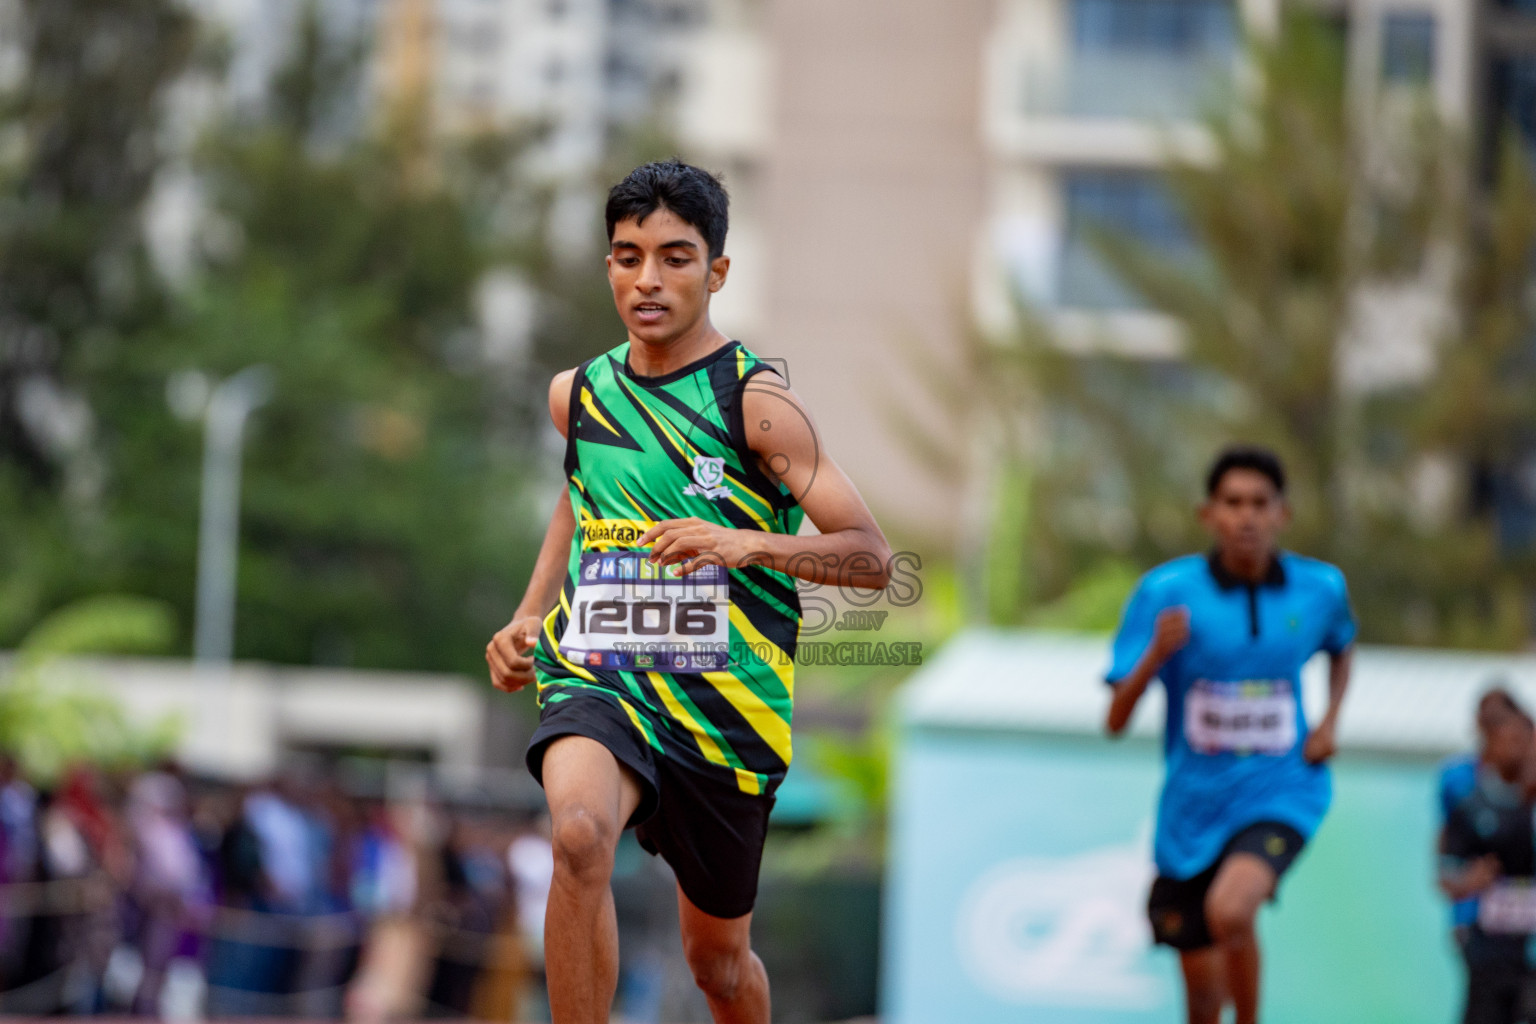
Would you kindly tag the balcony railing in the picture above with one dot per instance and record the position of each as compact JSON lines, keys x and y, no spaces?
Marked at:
{"x":1129,"y":86}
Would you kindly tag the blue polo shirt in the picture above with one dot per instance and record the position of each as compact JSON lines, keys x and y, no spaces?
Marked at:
{"x":1235,"y":727}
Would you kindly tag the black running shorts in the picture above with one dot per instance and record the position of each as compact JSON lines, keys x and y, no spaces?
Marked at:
{"x":1176,"y":906}
{"x":1500,"y":993}
{"x":707,"y":830}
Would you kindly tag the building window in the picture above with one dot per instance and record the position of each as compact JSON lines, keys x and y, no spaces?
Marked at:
{"x":1512,"y":97}
{"x":1135,"y":203}
{"x":1408,"y":48}
{"x":1146,"y":58}
{"x":1174,"y":28}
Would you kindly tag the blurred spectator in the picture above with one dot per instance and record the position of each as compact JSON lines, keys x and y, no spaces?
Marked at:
{"x":531,"y":861}
{"x":18,"y":859}
{"x":82,"y":843}
{"x":151,"y":895}
{"x":1458,"y":777}
{"x":1488,"y":852}
{"x":473,"y":891}
{"x":169,"y":890}
{"x":287,"y":848}
{"x":396,"y":962}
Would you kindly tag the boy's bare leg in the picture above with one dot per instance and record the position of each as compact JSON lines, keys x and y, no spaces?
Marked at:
{"x":591,"y":797}
{"x":1232,"y":909}
{"x":719,"y":952}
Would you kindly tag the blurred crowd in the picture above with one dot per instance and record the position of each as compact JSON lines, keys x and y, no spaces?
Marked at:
{"x":158,"y":894}
{"x":1487,"y":850}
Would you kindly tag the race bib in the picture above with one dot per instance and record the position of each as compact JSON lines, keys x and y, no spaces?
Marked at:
{"x":628,"y":613}
{"x":1508,"y":907}
{"x":1255,"y":716}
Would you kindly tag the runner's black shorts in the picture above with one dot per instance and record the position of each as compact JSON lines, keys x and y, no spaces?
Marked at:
{"x":707,"y":830}
{"x":1500,"y":993}
{"x":1176,"y":906}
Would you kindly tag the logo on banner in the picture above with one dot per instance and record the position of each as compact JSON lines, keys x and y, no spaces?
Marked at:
{"x":1064,"y":931}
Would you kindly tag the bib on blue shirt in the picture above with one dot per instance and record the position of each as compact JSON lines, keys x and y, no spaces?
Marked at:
{"x":1235,"y":728}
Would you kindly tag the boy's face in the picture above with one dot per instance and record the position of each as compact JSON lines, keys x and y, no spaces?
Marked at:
{"x":1246,"y":514}
{"x":1506,"y":741}
{"x":662,"y":276}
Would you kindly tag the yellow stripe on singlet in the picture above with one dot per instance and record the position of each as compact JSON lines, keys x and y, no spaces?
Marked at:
{"x":748,"y":782}
{"x":591,"y":407}
{"x":707,"y":745}
{"x":778,"y":659}
{"x":554,"y":645}
{"x":762,"y":718}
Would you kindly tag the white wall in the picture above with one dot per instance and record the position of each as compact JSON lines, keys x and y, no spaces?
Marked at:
{"x":238,"y":723}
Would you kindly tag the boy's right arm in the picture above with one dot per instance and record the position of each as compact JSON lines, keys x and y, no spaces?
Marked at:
{"x":1465,"y":878}
{"x":508,"y":654}
{"x":1169,"y":636}
{"x":1466,"y":868}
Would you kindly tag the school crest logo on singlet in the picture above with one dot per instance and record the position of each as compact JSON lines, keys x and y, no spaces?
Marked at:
{"x":708,"y":476}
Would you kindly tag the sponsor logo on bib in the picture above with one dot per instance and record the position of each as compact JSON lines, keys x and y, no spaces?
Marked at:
{"x":629,"y":613}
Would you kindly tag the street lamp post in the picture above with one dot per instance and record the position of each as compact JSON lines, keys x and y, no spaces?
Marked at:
{"x":229,"y":406}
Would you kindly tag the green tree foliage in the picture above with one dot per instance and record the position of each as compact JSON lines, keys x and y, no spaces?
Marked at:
{"x":80,"y":151}
{"x":1468,"y":580}
{"x":1308,"y":201}
{"x":384,"y":518}
{"x":79,"y":158}
{"x":388,"y":487}
{"x":105,"y":624}
{"x":54,"y":714}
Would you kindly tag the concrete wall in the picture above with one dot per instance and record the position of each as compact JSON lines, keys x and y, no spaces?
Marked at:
{"x":874,"y":197}
{"x":239,"y":723}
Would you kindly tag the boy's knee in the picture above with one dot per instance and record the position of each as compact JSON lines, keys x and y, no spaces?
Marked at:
{"x":718,"y":970}
{"x":583,"y":845}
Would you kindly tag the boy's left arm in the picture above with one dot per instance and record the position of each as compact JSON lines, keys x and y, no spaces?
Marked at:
{"x":850,"y":549}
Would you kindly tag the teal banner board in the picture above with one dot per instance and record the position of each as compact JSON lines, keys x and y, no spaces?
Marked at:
{"x":1019,"y":872}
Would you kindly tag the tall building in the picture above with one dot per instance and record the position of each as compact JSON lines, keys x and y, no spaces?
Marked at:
{"x":720,"y":113}
{"x":1085,"y":99}
{"x":584,"y":72}
{"x":588,"y":71}
{"x":1505,"y":104}
{"x":900,"y":169}
{"x":259,"y":35}
{"x":1505,"y":70}
{"x":874,"y":196}
{"x":583,"y":68}
{"x":930,"y":162}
